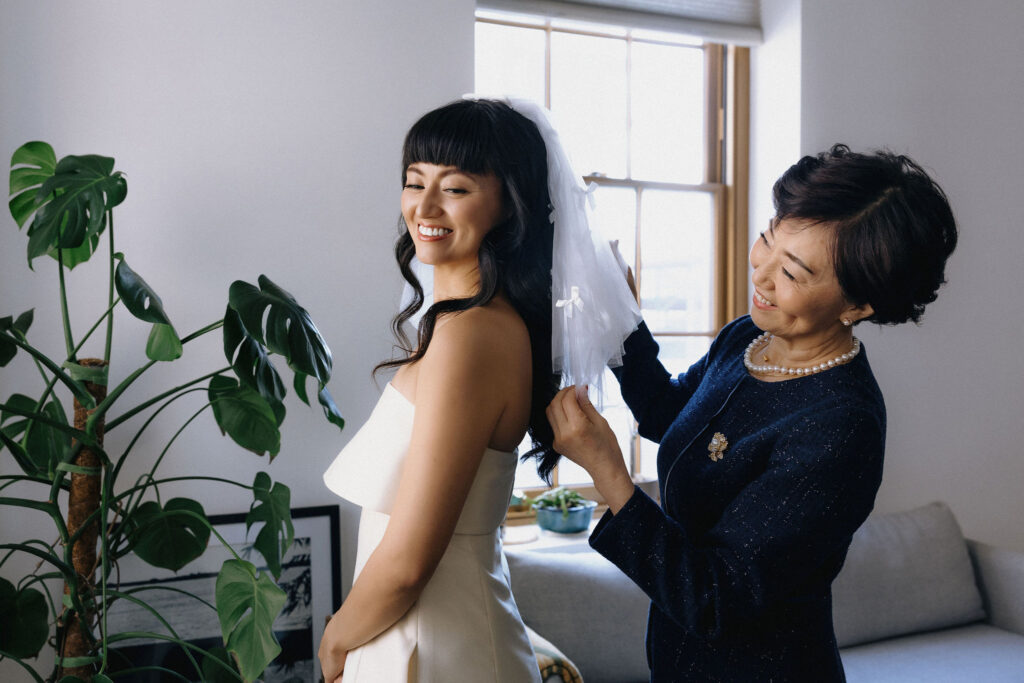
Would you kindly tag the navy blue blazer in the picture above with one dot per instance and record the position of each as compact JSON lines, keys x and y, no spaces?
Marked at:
{"x":739,"y":558}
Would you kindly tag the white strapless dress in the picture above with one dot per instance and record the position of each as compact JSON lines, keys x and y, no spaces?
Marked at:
{"x":465,"y":626}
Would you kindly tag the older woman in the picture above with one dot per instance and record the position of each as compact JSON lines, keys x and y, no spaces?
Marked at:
{"x":771,"y":445}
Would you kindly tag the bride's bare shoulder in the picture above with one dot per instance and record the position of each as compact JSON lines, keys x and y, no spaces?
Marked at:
{"x":488,"y":334}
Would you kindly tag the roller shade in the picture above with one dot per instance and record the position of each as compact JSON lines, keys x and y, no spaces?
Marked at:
{"x":722,"y":21}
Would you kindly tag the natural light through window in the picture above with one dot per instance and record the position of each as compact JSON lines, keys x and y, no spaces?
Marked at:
{"x":632,"y":110}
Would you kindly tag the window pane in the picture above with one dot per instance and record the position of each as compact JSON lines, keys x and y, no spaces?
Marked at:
{"x":677,"y":354}
{"x":526,"y":472}
{"x":614,"y":218}
{"x":668,"y":113}
{"x":588,"y":101}
{"x":676,"y":236}
{"x":509,"y":61}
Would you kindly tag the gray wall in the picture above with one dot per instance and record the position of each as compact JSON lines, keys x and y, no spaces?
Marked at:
{"x":257,"y":137}
{"x":938,"y":80}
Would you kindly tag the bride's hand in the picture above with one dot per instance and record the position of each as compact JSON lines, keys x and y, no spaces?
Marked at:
{"x":586,"y":438}
{"x":332,"y":660}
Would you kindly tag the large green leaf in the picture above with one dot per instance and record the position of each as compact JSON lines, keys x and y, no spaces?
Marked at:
{"x":164,"y":343}
{"x":289,"y":329}
{"x":137,"y":296}
{"x":250,"y":360}
{"x":46,"y":445}
{"x":245,"y":416}
{"x":72,"y":203}
{"x":330,"y":408}
{"x":214,"y":672}
{"x":20,"y":456}
{"x":144,"y":303}
{"x":247,"y":605}
{"x":16,"y":328}
{"x":24,"y":620}
{"x":74,"y":256}
{"x":170,"y":537}
{"x":32,"y":164}
{"x":272,"y":506}
{"x":323,"y":396}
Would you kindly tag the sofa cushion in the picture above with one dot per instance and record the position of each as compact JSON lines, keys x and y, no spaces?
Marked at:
{"x":978,"y":652}
{"x":553,"y":590}
{"x":905,"y":572}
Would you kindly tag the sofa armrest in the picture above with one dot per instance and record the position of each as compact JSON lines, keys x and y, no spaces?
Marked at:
{"x":1000,"y":574}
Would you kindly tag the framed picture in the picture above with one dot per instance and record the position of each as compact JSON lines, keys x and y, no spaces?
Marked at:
{"x":310,"y":577}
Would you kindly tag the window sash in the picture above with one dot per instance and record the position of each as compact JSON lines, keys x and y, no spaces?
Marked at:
{"x":726,"y":175}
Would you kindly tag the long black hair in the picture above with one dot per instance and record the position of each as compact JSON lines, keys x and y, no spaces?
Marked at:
{"x":488,"y":136}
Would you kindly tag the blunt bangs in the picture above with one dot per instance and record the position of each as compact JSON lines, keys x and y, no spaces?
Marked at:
{"x":462,"y":135}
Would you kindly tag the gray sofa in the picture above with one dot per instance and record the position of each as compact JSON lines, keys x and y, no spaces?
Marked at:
{"x":915,"y":601}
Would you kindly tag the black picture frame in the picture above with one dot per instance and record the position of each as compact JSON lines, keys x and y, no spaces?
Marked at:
{"x":311,"y":577}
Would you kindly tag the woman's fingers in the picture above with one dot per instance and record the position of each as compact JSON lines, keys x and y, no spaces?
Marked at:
{"x":588,"y":408}
{"x":570,"y":405}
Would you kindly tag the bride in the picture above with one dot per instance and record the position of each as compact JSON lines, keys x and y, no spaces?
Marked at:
{"x":433,"y":467}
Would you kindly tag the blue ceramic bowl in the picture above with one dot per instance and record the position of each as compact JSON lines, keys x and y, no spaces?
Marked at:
{"x":576,"y":521}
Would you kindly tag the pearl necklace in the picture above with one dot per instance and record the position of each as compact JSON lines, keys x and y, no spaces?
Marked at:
{"x":766,"y":339}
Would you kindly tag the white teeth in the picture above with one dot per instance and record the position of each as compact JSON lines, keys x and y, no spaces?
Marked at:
{"x":432,"y":232}
{"x":762,"y":299}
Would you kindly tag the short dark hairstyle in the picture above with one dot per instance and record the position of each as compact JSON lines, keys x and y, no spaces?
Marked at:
{"x":488,"y":136}
{"x":892,"y":227}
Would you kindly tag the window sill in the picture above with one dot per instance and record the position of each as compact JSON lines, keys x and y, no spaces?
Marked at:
{"x":532,"y":537}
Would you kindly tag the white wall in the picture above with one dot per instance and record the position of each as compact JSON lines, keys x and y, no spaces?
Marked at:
{"x":939,"y":80}
{"x":257,"y":138}
{"x":774,"y":104}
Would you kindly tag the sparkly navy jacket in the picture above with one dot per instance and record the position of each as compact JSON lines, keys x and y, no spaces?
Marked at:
{"x":739,"y":559}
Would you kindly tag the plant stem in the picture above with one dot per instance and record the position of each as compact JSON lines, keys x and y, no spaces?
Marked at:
{"x":30,"y":670}
{"x":96,"y":416}
{"x":149,"y":608}
{"x":196,"y":414}
{"x":110,"y":290}
{"x":104,"y":405}
{"x":156,"y":482}
{"x":47,"y":420}
{"x":68,"y":341}
{"x":156,"y":399}
{"x":109,"y":313}
{"x":200,"y":332}
{"x":76,"y":387}
{"x":113,"y":474}
{"x":35,"y":541}
{"x":65,"y":569}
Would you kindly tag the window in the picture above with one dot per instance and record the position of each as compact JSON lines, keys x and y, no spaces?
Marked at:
{"x":658,"y":122}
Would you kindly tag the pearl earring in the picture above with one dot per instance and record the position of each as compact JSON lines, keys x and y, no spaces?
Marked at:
{"x":847,"y":322}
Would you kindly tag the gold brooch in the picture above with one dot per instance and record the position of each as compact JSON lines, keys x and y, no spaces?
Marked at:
{"x":716,"y":449}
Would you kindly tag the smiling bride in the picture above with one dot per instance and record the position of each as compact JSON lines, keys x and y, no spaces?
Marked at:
{"x":434,"y":465}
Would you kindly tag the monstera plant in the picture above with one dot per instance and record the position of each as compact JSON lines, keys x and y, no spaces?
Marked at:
{"x":60,"y":467}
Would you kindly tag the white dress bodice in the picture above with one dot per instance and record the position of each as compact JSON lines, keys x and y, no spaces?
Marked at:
{"x":465,"y":624}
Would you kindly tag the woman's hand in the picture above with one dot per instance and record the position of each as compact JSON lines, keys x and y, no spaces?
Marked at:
{"x":332,"y":660}
{"x":585,"y":437}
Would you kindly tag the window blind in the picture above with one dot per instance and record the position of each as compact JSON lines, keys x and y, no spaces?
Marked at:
{"x":722,"y":21}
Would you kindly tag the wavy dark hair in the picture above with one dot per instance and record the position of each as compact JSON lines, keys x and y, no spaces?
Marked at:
{"x":892,"y":226}
{"x":488,"y":136}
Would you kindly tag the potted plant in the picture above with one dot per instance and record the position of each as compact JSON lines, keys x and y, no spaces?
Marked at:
{"x":563,"y":510}
{"x":98,"y":517}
